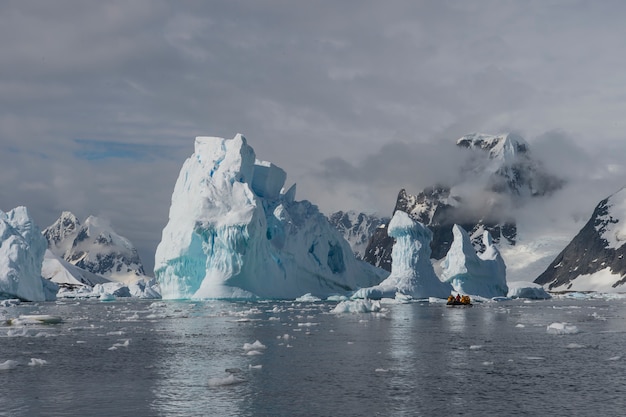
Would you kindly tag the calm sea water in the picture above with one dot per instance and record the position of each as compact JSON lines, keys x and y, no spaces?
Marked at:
{"x":137,"y":358}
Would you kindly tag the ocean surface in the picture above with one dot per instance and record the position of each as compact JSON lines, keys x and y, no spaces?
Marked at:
{"x":143,"y":358}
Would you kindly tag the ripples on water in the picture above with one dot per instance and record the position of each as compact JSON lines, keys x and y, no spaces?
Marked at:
{"x":143,"y":358}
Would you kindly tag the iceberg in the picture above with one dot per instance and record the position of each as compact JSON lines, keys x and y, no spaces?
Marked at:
{"x":412,"y":273}
{"x":482,"y":274}
{"x":22,"y":249}
{"x":234,"y":232}
{"x":530,"y":290}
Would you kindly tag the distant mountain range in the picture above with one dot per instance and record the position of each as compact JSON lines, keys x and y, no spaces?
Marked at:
{"x":499,"y":173}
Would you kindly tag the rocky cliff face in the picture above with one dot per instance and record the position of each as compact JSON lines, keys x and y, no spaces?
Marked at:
{"x":435,"y":209}
{"x":595,"y":259}
{"x":356,"y":228}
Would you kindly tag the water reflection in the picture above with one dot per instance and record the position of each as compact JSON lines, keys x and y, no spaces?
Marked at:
{"x":199,"y":341}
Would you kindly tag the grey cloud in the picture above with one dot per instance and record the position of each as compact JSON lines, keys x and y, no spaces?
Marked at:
{"x":345,"y":98}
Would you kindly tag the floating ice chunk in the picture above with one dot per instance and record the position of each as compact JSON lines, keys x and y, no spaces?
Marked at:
{"x":562,"y":328}
{"x":21,"y":332}
{"x":381,"y":370}
{"x":614,"y":358}
{"x":308,"y":324}
{"x":255,"y":366}
{"x":254,"y":353}
{"x":487,"y":363}
{"x":40,"y":318}
{"x":476,"y":347}
{"x":520,"y":326}
{"x":357,"y":306}
{"x":337,"y":298}
{"x":598,"y":316}
{"x":116,"y":345}
{"x":106,"y":297}
{"x":254,"y":346}
{"x":8,"y":365}
{"x":575,"y":346}
{"x":10,"y":302}
{"x":231,"y":379}
{"x":37,"y":362}
{"x":308,"y":298}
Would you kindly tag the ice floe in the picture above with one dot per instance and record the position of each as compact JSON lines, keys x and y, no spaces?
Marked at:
{"x":562,"y":328}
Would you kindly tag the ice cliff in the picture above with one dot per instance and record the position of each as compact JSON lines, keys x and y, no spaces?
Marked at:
{"x":411,"y":270}
{"x":481,"y":274}
{"x":22,"y":249}
{"x":234,"y":232}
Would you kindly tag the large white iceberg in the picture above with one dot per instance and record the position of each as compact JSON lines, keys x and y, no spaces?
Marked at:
{"x":482,"y":274}
{"x":412,"y":272}
{"x":234,"y":232}
{"x":22,"y":248}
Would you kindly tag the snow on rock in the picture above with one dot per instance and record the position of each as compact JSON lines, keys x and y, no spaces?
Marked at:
{"x":412,"y":273}
{"x":94,"y":246}
{"x":530,"y":290}
{"x":469,"y":273}
{"x":234,"y":232}
{"x":595,"y":259}
{"x":64,"y":273}
{"x":76,"y":282}
{"x":22,"y":249}
{"x":357,"y":228}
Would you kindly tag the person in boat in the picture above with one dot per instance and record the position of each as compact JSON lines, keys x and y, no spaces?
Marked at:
{"x":458,"y":298}
{"x":450,"y":298}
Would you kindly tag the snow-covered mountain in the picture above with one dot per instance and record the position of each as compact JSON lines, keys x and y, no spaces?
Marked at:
{"x":595,"y":260}
{"x":234,"y":231}
{"x":504,"y":164}
{"x":63,"y":273}
{"x":499,"y":173}
{"x":94,"y":246}
{"x":357,"y":228}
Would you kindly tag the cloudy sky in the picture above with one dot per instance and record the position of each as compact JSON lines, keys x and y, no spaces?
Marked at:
{"x":100,"y":100}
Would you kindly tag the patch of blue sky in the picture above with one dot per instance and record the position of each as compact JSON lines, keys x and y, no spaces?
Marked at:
{"x":95,"y":150}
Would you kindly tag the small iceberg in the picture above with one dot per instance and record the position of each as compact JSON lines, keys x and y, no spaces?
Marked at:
{"x":231,"y":379}
{"x":357,"y":306}
{"x":562,"y":328}
{"x":530,"y":290}
{"x":40,"y":318}
{"x":8,"y":365}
